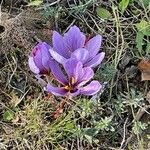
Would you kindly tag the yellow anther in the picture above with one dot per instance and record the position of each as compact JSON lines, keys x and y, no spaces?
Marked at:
{"x":66,"y":87}
{"x":70,"y":86}
{"x":72,"y":81}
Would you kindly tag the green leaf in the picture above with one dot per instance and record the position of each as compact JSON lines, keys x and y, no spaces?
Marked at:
{"x":69,"y":126}
{"x":106,"y":72}
{"x":145,"y":2}
{"x":139,"y":40}
{"x":103,"y":13}
{"x":148,"y":47}
{"x":148,"y":136}
{"x":8,"y":115}
{"x":144,"y":27}
{"x":131,"y":1}
{"x":138,"y":127}
{"x":123,"y":5}
{"x":104,"y":124}
{"x":35,"y":3}
{"x":89,"y":138}
{"x":91,"y":131}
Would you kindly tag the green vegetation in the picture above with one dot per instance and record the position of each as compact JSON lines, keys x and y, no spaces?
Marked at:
{"x":116,"y":118}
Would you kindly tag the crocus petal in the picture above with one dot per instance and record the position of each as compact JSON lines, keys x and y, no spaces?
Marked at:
{"x":77,"y":92}
{"x":74,"y":39}
{"x":58,"y":74}
{"x":88,"y":74}
{"x":38,"y":59}
{"x":81,"y":54}
{"x":32,"y":66}
{"x":93,"y":45}
{"x":91,"y":88}
{"x":57,"y":91}
{"x":96,"y":60}
{"x":73,"y":68}
{"x":58,"y":44}
{"x":45,"y":55}
{"x":57,"y":56}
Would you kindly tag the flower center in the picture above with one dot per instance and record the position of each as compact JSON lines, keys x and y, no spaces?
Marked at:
{"x":70,"y":86}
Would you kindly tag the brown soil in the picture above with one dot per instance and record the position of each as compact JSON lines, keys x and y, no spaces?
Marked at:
{"x":23,"y":30}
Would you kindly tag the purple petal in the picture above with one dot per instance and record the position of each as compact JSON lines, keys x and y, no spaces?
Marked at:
{"x":96,"y":60}
{"x":76,"y":93}
{"x":56,"y":90}
{"x":88,"y":74}
{"x":81,"y":54}
{"x":32,"y":66}
{"x":42,"y":56}
{"x":93,"y":45}
{"x":38,"y":58}
{"x":91,"y":88}
{"x":73,"y":68}
{"x":57,"y":57}
{"x":58,"y":74}
{"x":58,"y":44}
{"x":74,"y":39}
{"x":46,"y":57}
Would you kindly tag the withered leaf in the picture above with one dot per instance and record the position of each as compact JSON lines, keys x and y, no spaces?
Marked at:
{"x":144,"y":67}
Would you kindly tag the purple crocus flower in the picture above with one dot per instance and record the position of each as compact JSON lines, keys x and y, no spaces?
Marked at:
{"x":74,"y":44}
{"x":40,"y":59}
{"x":74,"y":82}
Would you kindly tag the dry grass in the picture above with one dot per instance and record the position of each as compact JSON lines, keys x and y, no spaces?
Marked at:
{"x":110,"y":120}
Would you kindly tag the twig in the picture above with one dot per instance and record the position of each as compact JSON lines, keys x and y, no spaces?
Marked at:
{"x":37,"y":39}
{"x":48,"y":5}
{"x":124,"y":134}
{"x":13,"y":73}
{"x":19,"y":101}
{"x":138,"y":116}
{"x":141,"y":112}
{"x":70,"y":25}
{"x":1,"y":11}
